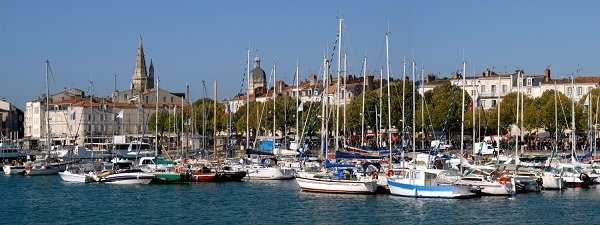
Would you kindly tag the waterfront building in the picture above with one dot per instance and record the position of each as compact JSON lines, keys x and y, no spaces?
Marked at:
{"x":76,"y":118}
{"x":11,"y":120}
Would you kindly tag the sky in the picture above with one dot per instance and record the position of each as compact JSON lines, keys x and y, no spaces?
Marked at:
{"x":194,"y":41}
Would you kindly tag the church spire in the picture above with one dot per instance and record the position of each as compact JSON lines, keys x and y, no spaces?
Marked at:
{"x":140,"y":75}
{"x":151,"y":76}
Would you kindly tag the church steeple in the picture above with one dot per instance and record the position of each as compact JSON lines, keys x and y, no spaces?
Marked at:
{"x":151,"y":76}
{"x":140,"y":76}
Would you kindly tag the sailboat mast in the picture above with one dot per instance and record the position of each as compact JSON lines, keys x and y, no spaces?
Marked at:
{"x":297,"y":104}
{"x":413,"y":121}
{"x":247,"y":100}
{"x":555,"y":118}
{"x":389,"y":105}
{"x":156,"y":119}
{"x":573,"y":134}
{"x":345,"y":92}
{"x":362,"y":114}
{"x":498,"y":88}
{"x":337,"y":89}
{"x":274,"y":98}
{"x":47,"y":113}
{"x":380,"y":115}
{"x":204,"y":116}
{"x":324,"y":95}
{"x":403,"y":97}
{"x":474,"y":110}
{"x":91,"y":121}
{"x":215,"y":121}
{"x":423,"y":108}
{"x":462,"y":121}
{"x":182,"y":131}
{"x":518,"y":106}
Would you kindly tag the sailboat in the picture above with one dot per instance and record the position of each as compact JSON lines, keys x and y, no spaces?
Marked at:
{"x":335,"y":177}
{"x":423,"y":183}
{"x":45,"y":168}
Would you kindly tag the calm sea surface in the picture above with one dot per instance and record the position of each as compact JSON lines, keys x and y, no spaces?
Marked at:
{"x":49,"y":200}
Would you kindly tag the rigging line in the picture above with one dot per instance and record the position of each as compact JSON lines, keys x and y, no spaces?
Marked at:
{"x":443,"y":134}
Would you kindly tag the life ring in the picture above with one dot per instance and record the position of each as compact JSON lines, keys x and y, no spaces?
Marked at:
{"x":503,"y":180}
{"x":14,"y":162}
{"x":176,"y":169}
{"x":27,"y":167}
{"x":390,"y":173}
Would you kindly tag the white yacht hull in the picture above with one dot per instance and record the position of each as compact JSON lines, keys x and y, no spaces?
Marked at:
{"x":42,"y":170}
{"x":271,"y":173}
{"x":402,"y":187}
{"x":13,"y":170}
{"x":74,"y":177}
{"x":336,"y":186}
{"x":493,"y":188}
{"x":553,"y":182}
{"x":128,"y":178}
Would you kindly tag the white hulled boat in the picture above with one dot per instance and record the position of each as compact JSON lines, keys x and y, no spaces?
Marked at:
{"x":423,"y":183}
{"x":77,"y":173}
{"x":342,"y":179}
{"x":127,"y":176}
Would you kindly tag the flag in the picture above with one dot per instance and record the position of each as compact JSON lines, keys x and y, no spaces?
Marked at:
{"x":73,"y":116}
{"x":175,"y":110}
{"x":301,"y":107}
{"x":130,"y":147}
{"x":587,"y":101}
{"x":120,"y":115}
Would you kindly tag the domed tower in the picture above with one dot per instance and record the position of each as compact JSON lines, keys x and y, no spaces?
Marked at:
{"x":258,"y":81}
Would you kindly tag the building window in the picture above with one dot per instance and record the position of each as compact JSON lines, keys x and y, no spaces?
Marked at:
{"x":493,"y":103}
{"x":164,"y":99}
{"x":579,"y":91}
{"x":171,"y":99}
{"x":493,"y":90}
{"x":504,"y":88}
{"x":482,"y":89}
{"x":125,"y":96}
{"x":529,"y":82}
{"x":528,"y":90}
{"x":483,"y":103}
{"x":473,"y":92}
{"x":569,"y":91}
{"x":147,"y":99}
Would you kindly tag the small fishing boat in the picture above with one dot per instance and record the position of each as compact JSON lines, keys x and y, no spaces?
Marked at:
{"x":340,"y":178}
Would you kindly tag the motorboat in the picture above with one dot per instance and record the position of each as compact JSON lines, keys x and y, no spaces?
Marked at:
{"x":124,"y":176}
{"x":77,"y":173}
{"x":423,"y":183}
{"x":10,"y":169}
{"x":552,"y":178}
{"x":203,"y":174}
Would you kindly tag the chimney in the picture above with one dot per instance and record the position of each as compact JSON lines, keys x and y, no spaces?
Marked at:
{"x":370,"y":85}
{"x":313,"y":80}
{"x":547,"y":74}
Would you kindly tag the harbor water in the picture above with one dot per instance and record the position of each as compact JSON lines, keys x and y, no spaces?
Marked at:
{"x":49,"y":200}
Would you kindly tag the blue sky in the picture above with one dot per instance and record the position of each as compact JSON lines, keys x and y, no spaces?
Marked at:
{"x":191,"y":41}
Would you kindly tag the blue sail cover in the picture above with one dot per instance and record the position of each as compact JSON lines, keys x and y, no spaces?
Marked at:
{"x":328,"y":164}
{"x":267,"y":145}
{"x":349,"y":155}
{"x":257,"y":152}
